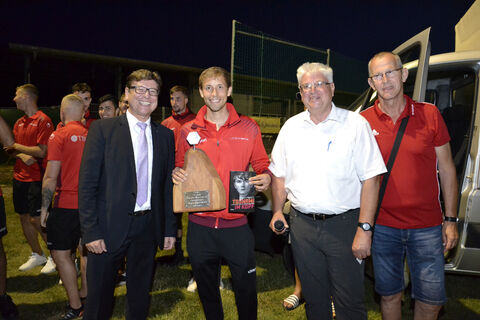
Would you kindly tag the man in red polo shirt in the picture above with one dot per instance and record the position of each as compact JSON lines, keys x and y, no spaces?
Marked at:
{"x":410,"y":219}
{"x":31,"y":134}
{"x":180,"y":115}
{"x":65,"y":148}
{"x":232,"y":143}
{"x":84,"y":91}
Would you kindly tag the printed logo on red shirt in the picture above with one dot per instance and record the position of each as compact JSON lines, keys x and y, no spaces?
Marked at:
{"x":75,"y":138}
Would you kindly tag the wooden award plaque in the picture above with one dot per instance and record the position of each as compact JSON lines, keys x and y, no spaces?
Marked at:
{"x":203,"y":190}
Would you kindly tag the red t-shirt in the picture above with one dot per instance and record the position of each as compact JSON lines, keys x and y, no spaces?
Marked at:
{"x":87,"y":124}
{"x":66,"y":145}
{"x":176,"y":121}
{"x":89,"y":118}
{"x":236,"y":145}
{"x":31,"y":131}
{"x":412,"y":195}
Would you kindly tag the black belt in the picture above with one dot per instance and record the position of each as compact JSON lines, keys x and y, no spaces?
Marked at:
{"x":319,"y":216}
{"x":322,"y":216}
{"x":140,"y":213}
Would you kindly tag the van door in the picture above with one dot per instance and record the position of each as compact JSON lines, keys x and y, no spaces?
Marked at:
{"x":465,"y":258}
{"x":417,"y":48}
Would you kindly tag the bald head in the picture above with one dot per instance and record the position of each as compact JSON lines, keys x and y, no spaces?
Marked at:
{"x":71,"y":109}
{"x":383,"y":54}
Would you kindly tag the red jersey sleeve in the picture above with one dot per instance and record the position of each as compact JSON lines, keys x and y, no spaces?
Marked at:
{"x":181,"y":147}
{"x":55,"y":147}
{"x":45,"y":129}
{"x":259,"y":159}
{"x":441,"y":132}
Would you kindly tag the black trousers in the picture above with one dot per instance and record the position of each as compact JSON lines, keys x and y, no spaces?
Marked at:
{"x":139,"y":248}
{"x":206,"y":248}
{"x":322,"y":250}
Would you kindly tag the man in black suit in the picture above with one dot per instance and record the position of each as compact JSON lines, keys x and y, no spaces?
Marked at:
{"x":121,"y":213}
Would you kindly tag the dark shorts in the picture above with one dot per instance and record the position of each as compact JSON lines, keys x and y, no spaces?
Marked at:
{"x":3,"y":218}
{"x":63,"y":229}
{"x":27,"y":197}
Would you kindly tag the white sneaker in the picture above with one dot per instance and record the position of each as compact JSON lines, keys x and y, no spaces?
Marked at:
{"x":221,"y":286}
{"x":49,"y":267}
{"x":192,"y":285}
{"x":32,"y":262}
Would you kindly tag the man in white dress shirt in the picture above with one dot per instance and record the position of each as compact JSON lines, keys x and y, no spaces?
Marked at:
{"x":327,"y":163}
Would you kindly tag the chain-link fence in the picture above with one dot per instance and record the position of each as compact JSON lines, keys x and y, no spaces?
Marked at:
{"x":263,"y":70}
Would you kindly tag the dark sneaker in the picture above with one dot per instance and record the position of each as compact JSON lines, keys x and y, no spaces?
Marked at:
{"x":8,"y":309}
{"x":72,"y":313}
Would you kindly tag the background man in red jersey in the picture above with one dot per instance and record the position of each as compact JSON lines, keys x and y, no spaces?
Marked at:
{"x":63,"y":224}
{"x":180,"y":115}
{"x":31,"y":134}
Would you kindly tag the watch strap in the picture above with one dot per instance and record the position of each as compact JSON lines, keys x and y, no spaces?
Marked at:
{"x":361,"y":224}
{"x":451,"y":219}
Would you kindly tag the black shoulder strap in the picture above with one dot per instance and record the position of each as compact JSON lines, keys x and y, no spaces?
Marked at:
{"x":391,"y":160}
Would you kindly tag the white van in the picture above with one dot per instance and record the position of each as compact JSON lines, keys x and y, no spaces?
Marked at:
{"x":451,"y":82}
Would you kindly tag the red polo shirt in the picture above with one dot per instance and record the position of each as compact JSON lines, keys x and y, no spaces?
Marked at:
{"x":31,"y":131}
{"x":66,"y":145}
{"x":236,"y":145}
{"x":412,"y":194}
{"x":176,"y":121}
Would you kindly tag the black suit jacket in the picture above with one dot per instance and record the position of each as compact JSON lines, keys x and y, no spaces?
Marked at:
{"x":108,"y":186}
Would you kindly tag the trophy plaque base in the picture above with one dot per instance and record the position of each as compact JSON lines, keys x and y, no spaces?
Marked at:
{"x":203,"y":190}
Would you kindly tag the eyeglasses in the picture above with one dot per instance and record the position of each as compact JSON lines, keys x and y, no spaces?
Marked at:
{"x":314,"y":85}
{"x":142,"y":90}
{"x":389,"y":74}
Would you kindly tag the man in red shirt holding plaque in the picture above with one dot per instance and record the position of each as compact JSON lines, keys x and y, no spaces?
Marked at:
{"x":232,"y":142}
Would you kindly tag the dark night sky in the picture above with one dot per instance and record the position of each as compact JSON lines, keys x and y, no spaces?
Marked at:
{"x":198,"y":33}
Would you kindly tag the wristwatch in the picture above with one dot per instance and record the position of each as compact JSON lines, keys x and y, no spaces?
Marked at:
{"x":451,"y":219}
{"x":365,"y":226}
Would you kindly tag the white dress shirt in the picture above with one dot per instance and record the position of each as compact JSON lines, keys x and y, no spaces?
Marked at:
{"x":134,"y":132}
{"x":324,"y":164}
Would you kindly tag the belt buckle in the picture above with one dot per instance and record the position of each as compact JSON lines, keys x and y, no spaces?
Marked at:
{"x":319,"y":216}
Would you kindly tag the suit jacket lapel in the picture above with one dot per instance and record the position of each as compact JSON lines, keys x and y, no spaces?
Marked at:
{"x":156,"y":151}
{"x":127,"y":147}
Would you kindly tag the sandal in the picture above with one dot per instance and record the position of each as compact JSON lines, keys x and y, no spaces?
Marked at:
{"x":291,"y":303}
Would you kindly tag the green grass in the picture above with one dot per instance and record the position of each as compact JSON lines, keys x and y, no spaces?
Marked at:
{"x":40,"y":297}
